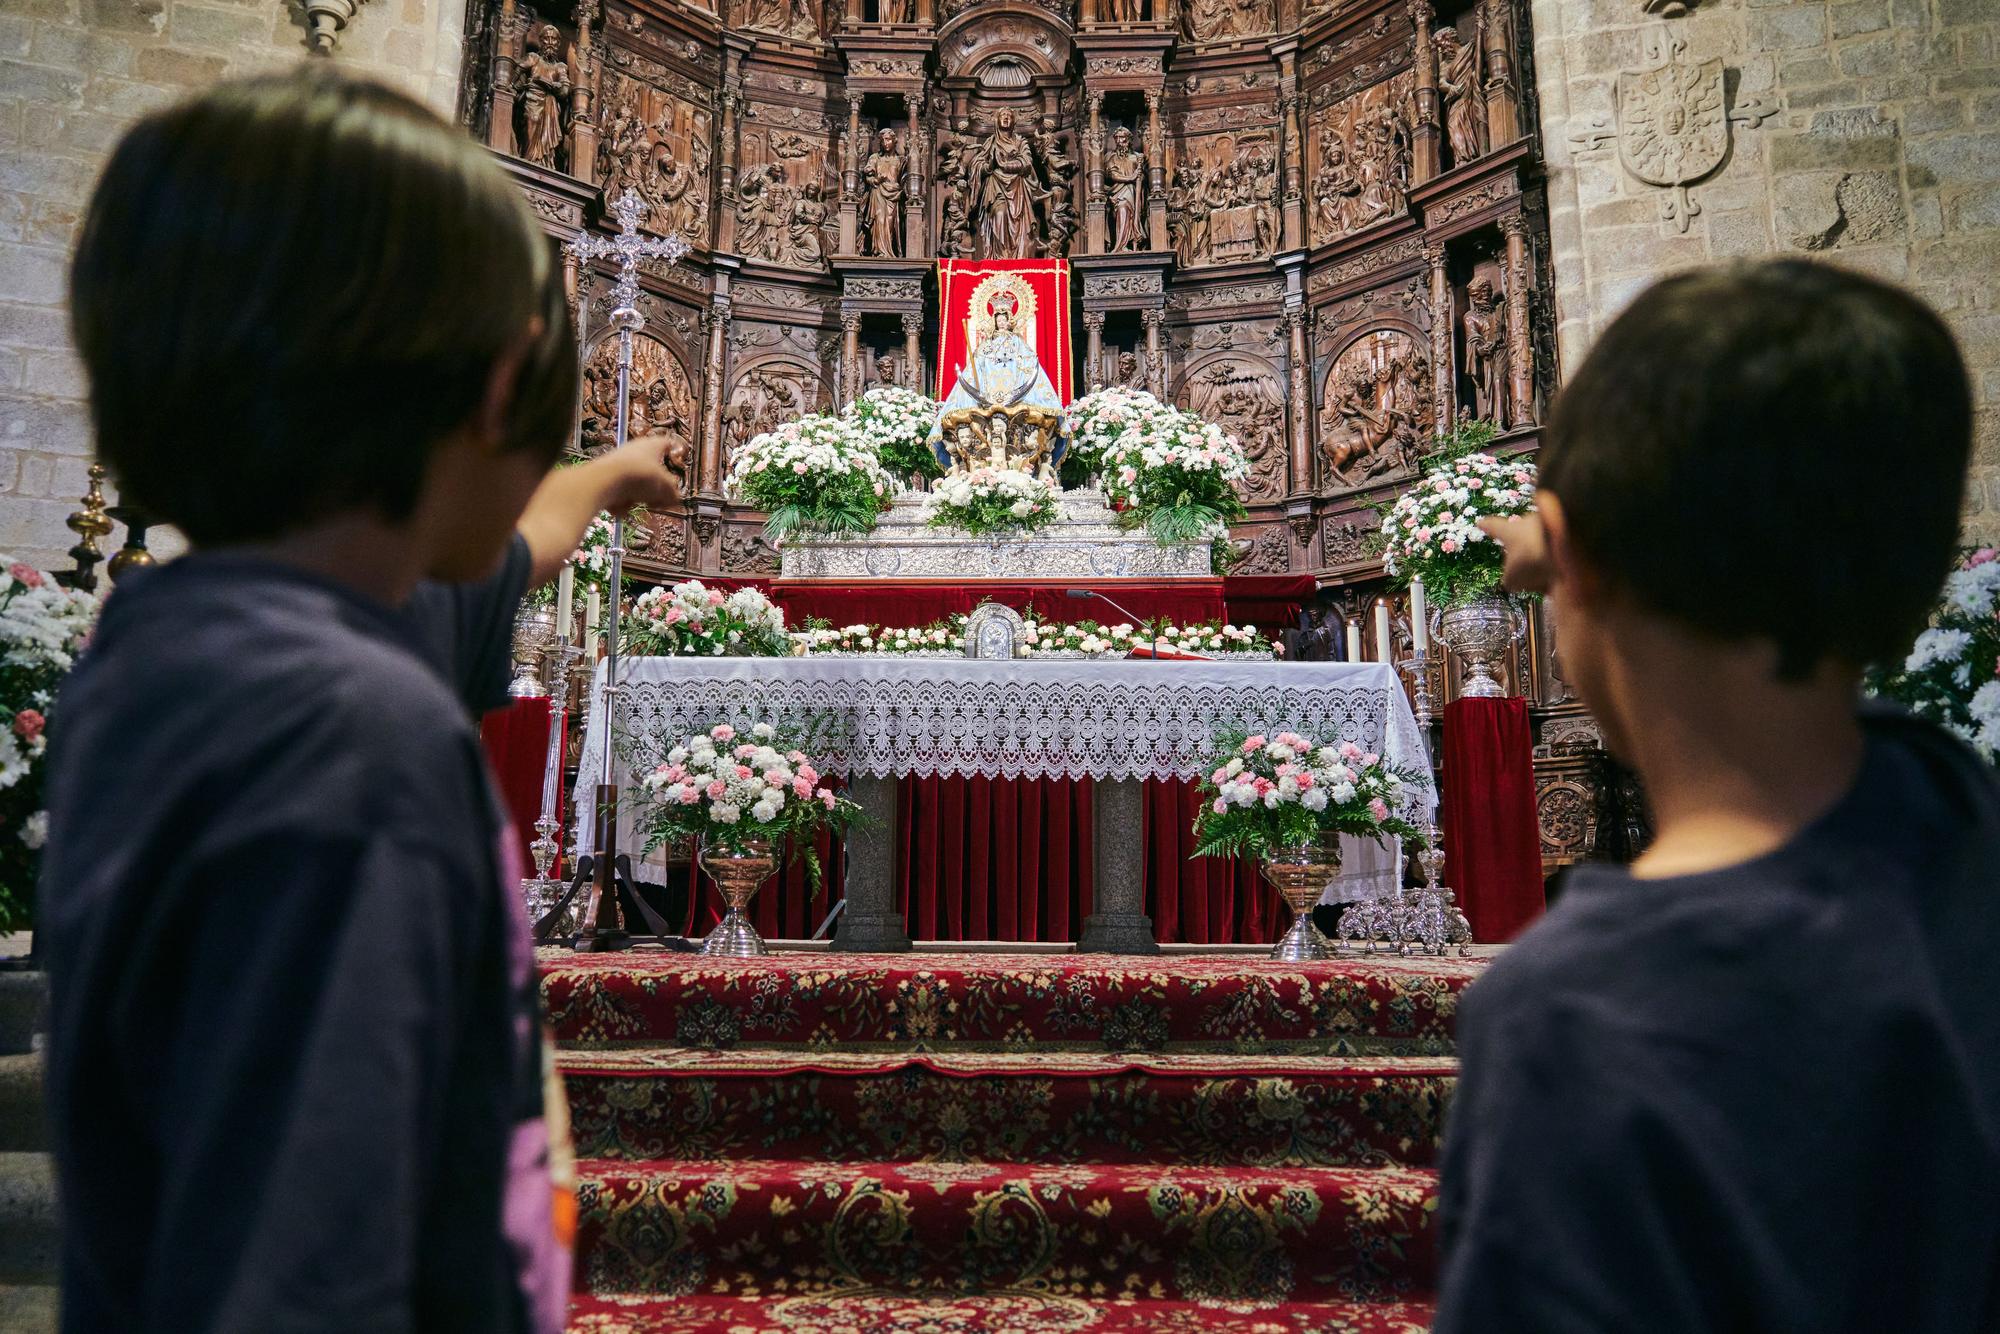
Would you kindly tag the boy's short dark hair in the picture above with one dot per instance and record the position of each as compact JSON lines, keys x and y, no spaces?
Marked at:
{"x":1771,"y":450}
{"x":289,"y":288}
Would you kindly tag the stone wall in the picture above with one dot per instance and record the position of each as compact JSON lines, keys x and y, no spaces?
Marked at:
{"x":73,"y":73}
{"x":1863,"y":131}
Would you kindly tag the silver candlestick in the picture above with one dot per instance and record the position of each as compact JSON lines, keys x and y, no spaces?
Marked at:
{"x":603,"y":925}
{"x":538,"y":891}
{"x":1423,"y":700}
{"x":1436,"y":923}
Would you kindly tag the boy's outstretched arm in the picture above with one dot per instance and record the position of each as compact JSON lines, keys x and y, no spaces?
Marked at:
{"x":646,"y":471}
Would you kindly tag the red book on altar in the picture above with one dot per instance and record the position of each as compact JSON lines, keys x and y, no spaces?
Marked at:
{"x":1167,"y":654}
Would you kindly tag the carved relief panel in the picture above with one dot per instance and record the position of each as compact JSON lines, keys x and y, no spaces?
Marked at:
{"x":801,"y":19}
{"x":659,"y":143}
{"x":1225,"y":20}
{"x":1359,"y":148}
{"x":1222,"y":197}
{"x":1376,"y":410}
{"x":663,"y":399}
{"x":787,"y":187}
{"x":767,"y":392}
{"x":1244,"y":395}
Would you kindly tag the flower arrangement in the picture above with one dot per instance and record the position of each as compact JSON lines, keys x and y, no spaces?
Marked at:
{"x":692,"y":618}
{"x":815,"y":475}
{"x":992,"y":501}
{"x":897,"y":423}
{"x":1270,"y":793}
{"x":1174,"y":472}
{"x":1432,"y":530}
{"x":1102,"y":417}
{"x":43,"y":627}
{"x":592,"y":563}
{"x":1042,"y":638}
{"x":730,"y":789}
{"x":1952,"y":673}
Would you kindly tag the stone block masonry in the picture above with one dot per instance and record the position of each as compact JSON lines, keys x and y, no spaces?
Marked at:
{"x":1865,"y":132}
{"x":73,"y":74}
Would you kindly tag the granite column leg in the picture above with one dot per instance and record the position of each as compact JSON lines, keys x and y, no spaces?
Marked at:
{"x":1119,"y":924}
{"x":872,"y":923}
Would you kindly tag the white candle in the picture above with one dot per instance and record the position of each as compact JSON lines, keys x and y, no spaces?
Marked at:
{"x":1385,"y":646}
{"x":590,"y":610}
{"x":565,"y":601}
{"x":1420,"y":628}
{"x":1353,"y":640}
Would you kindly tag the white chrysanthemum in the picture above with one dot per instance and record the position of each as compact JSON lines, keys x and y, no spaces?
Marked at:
{"x":1937,"y":646}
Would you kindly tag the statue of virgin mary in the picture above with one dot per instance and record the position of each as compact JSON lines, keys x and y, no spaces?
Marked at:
{"x":1003,"y":376}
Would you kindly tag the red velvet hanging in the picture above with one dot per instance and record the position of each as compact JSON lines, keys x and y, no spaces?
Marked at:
{"x":1493,"y":850}
{"x":517,"y":744}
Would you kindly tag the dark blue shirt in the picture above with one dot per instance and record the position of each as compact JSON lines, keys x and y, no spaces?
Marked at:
{"x":1765,"y":1098}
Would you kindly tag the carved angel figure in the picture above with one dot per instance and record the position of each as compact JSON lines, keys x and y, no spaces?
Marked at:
{"x":543,"y":98}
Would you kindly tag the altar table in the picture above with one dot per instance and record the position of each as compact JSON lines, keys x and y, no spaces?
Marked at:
{"x":1117,"y":723}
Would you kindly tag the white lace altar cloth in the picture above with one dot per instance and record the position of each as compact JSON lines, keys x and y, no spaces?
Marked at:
{"x":1024,"y":718}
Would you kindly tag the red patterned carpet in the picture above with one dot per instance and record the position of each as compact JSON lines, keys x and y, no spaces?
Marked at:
{"x":970,"y":1144}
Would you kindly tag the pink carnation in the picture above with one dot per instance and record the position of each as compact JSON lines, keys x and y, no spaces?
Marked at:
{"x":1983,"y":556}
{"x":715,"y":597}
{"x":717,"y":790}
{"x":1219,"y":777}
{"x":801,"y":788}
{"x":1371,"y":758}
{"x":28,"y":724}
{"x":689,"y":795}
{"x":673,"y":616}
{"x":27,"y":574}
{"x":799,"y":468}
{"x":1253,"y":744}
{"x":1349,"y":751}
{"x":826,"y":798}
{"x":1305,"y":780}
{"x":1449,"y":546}
{"x":1220,"y":806}
{"x":1379,"y":809}
{"x":743,"y":771}
{"x":722,"y":732}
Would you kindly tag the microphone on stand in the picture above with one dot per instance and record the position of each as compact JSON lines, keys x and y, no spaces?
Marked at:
{"x":1154,"y":626}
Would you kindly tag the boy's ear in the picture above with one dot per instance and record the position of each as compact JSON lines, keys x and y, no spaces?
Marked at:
{"x":1566,"y":566}
{"x":494,"y":426}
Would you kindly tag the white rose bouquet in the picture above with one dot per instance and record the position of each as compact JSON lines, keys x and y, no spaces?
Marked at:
{"x":896,"y":423}
{"x":693,"y":619}
{"x":43,"y":627}
{"x":992,"y":501}
{"x":1270,"y":793}
{"x":1952,"y":674}
{"x":814,"y":475}
{"x":1175,"y":474}
{"x":727,"y":788}
{"x":1432,"y":531}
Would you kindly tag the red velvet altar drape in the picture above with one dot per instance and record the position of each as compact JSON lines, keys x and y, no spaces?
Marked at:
{"x":1493,"y":854}
{"x":517,"y":746}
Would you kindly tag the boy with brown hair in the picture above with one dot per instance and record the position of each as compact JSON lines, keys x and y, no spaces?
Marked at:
{"x":1751,"y":1082}
{"x":295,"y":1078}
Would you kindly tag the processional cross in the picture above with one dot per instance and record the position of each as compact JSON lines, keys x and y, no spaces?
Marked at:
{"x":603,"y":925}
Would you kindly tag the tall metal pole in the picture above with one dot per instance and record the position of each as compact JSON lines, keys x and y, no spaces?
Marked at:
{"x":603,"y":925}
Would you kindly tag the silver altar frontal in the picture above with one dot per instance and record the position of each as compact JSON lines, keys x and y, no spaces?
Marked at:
{"x":1116,"y":723}
{"x":1084,"y":542}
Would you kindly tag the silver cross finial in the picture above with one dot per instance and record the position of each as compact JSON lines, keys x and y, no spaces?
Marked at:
{"x":628,"y":247}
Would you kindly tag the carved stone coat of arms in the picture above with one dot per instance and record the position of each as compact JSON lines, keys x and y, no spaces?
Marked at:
{"x":1673,"y":127}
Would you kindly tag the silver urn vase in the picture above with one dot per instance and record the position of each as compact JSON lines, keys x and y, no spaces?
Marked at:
{"x":534,"y":634}
{"x":1481,"y":632}
{"x":738,"y":875}
{"x":1301,"y":874}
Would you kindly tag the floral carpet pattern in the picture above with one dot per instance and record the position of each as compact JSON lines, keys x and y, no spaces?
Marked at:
{"x":915,"y":1002}
{"x":999,"y":1144}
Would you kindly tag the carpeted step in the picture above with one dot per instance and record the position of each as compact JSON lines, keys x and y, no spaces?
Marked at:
{"x":1087,"y":1107}
{"x":916,"y":1002}
{"x":1009,"y":1313}
{"x":1094,"y":1232}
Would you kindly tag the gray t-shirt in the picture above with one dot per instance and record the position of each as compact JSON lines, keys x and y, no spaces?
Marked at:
{"x":1765,"y":1098}
{"x":291,"y":1052}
